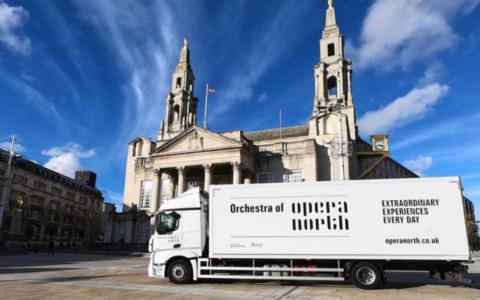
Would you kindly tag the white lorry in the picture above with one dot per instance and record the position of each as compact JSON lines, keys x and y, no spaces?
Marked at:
{"x":323,"y":231}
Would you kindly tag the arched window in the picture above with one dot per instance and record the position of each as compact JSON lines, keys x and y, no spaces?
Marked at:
{"x":179,"y":82}
{"x":190,"y":118}
{"x":332,"y":86}
{"x":176,"y":112}
{"x":331,"y":49}
{"x":140,"y":148}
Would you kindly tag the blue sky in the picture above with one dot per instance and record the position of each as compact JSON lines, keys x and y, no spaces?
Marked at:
{"x":79,"y":79}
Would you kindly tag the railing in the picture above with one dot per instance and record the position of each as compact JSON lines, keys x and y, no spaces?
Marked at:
{"x":143,"y":162}
{"x":283,"y":147}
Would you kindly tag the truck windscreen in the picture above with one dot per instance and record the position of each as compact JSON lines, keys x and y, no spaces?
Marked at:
{"x":167,"y":222}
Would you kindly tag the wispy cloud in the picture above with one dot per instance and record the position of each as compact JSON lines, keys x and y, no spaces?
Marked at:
{"x":31,"y":95}
{"x":441,"y":131}
{"x":67,"y":159}
{"x":262,"y":97}
{"x":433,"y":73}
{"x":12,"y":20}
{"x":410,"y":31}
{"x":469,"y":177}
{"x":146,"y":52}
{"x":473,"y":192}
{"x":456,"y":154}
{"x":402,"y":110}
{"x":420,"y":164}
{"x":262,"y":55}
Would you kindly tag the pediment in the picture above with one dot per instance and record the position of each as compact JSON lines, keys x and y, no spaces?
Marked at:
{"x":196,"y":139}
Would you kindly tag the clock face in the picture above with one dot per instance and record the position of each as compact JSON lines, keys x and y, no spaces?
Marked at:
{"x":379,"y":145}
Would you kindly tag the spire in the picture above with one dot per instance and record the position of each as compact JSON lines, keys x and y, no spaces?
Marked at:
{"x":330,"y":20}
{"x":184,"y":53}
{"x":181,"y":103}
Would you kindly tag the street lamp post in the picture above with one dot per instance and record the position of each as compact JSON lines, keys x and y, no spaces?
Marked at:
{"x":340,"y":147}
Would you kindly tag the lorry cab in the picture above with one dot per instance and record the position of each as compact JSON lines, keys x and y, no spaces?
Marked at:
{"x":176,"y":234}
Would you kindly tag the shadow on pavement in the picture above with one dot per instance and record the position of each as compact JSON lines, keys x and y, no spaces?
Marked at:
{"x":404,"y":280}
{"x":35,"y":260}
{"x":409,"y":280}
{"x":31,"y":270}
{"x":73,"y":278}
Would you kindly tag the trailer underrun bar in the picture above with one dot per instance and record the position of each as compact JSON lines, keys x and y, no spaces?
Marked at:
{"x":207,"y":270}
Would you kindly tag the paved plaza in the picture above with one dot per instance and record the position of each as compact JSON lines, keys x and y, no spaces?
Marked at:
{"x":76,"y":276}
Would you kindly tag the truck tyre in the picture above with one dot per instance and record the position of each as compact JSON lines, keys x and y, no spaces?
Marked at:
{"x":366,"y":276}
{"x":180,"y":271}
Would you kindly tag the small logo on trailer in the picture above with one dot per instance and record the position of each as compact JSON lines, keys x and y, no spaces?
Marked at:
{"x":255,"y":245}
{"x":330,"y":215}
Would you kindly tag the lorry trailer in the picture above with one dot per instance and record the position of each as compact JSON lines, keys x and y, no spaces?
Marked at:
{"x":321,"y":231}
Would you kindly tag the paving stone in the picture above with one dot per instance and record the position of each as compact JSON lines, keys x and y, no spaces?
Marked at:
{"x":99,"y":277}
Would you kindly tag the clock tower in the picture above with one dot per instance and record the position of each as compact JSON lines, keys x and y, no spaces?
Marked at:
{"x":333,"y":122}
{"x":181,"y":104}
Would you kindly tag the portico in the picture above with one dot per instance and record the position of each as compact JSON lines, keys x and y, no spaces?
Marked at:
{"x":198,"y":158}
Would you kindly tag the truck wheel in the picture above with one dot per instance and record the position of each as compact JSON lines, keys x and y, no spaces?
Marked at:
{"x":180,"y":272}
{"x":367,"y":276}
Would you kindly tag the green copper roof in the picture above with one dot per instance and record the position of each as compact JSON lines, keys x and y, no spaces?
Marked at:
{"x":272,"y":134}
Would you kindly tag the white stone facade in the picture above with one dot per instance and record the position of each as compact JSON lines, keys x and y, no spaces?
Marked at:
{"x":326,"y":148}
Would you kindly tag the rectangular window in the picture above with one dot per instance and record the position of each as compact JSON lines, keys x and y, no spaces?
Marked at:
{"x":165,"y":191}
{"x":145,"y":194}
{"x":54,"y":204}
{"x":69,"y":209}
{"x":54,"y":217}
{"x":40,"y":185}
{"x":83,"y":201}
{"x":2,"y":172}
{"x":68,"y":220}
{"x":71,"y":196}
{"x":36,"y":214}
{"x":293,"y":176}
{"x":265,"y":177}
{"x":36,"y":201}
{"x":56,"y":191}
{"x":331,"y":49}
{"x":20,"y":179}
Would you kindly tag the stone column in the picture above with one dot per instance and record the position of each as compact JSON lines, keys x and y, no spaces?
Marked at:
{"x":236,"y":172}
{"x":171,"y":192}
{"x":181,"y":180}
{"x":157,"y":174}
{"x":208,"y":176}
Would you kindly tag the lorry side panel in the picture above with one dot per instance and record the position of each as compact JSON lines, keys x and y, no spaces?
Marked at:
{"x":414,"y":219}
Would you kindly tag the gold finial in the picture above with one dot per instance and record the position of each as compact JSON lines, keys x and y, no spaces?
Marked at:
{"x":330,"y":3}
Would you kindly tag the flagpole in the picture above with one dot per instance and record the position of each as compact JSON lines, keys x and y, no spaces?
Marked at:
{"x":281,"y":137}
{"x":206,"y":109}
